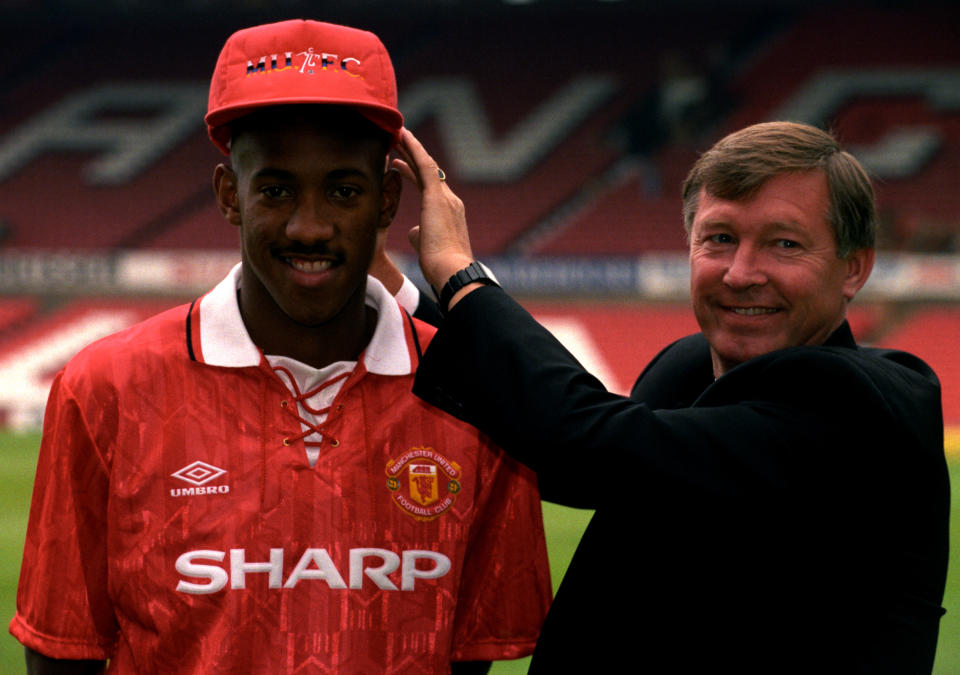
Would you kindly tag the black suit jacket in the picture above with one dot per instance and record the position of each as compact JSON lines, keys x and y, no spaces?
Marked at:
{"x":790,"y":516}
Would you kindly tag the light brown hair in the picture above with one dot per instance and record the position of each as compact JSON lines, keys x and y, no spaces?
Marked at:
{"x":739,"y":164}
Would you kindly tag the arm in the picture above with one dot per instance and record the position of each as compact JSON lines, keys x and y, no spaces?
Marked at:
{"x":38,"y":664}
{"x":63,"y":605}
{"x":492,"y":365}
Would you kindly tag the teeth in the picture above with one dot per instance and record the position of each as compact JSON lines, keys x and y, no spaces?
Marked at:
{"x":753,"y":311}
{"x":310,"y":266}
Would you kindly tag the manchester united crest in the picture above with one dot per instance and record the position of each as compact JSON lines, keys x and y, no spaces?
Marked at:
{"x":424,"y":483}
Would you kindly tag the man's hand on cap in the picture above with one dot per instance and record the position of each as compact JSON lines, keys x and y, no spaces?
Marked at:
{"x":441,"y":239}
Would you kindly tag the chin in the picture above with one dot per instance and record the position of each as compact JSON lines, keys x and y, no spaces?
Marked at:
{"x":308,"y":319}
{"x":735,"y":353}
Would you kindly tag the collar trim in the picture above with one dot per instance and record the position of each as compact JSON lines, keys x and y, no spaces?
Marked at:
{"x":223,"y":339}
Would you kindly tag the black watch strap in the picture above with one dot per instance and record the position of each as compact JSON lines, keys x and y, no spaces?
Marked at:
{"x":474,"y":272}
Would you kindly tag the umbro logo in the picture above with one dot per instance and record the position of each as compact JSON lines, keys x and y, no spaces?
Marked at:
{"x":199,"y":474}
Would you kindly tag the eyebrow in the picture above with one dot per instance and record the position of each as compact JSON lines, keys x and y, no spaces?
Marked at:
{"x":337,"y":174}
{"x":268,"y":172}
{"x":350,"y":172}
{"x":787,"y":226}
{"x":790,"y":225}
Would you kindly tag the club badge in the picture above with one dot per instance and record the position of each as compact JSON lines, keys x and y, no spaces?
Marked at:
{"x":423,"y":482}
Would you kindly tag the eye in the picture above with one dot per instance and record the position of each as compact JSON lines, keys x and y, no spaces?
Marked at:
{"x":344,"y":192}
{"x":276,"y":191}
{"x":720,"y":238}
{"x":787,"y":243}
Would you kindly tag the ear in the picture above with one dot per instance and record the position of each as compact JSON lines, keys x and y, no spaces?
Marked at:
{"x":859,"y":265}
{"x":225,"y":187}
{"x":390,"y":197}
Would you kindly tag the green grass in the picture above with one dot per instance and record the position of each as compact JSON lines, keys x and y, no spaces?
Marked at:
{"x":948,"y":649}
{"x":18,"y":461}
{"x":564,"y":527}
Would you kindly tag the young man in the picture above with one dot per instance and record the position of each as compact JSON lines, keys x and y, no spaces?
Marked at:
{"x":772,"y":498}
{"x":246,"y":484}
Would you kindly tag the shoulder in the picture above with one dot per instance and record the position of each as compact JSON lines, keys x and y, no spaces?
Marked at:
{"x":884,"y":369}
{"x":159,"y":336}
{"x":873,"y":387}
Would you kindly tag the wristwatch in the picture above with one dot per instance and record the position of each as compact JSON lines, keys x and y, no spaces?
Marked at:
{"x":474,"y":272}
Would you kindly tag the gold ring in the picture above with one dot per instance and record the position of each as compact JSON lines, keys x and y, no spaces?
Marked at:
{"x":441,"y":174}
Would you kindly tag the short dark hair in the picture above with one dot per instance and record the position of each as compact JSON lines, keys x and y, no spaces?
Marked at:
{"x":739,"y":164}
{"x":344,"y":119}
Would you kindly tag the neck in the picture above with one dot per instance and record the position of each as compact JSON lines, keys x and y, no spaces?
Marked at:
{"x":342,"y":338}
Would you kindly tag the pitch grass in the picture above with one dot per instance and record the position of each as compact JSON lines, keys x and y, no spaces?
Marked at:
{"x":564,"y":527}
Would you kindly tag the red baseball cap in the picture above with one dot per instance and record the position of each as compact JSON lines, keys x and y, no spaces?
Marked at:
{"x":301,"y":62}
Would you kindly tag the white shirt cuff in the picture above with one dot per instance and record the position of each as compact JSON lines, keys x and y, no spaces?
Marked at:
{"x":408,"y":296}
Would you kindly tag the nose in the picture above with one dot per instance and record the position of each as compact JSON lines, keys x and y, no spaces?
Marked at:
{"x":311,"y":223}
{"x":745,"y":269}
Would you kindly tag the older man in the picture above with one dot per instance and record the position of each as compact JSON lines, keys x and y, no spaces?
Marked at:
{"x":771,"y":498}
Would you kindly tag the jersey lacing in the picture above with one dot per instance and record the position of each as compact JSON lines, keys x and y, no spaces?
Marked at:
{"x":307,"y":426}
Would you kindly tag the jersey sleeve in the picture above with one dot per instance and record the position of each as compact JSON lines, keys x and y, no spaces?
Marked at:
{"x":505,"y":590}
{"x":63,"y":608}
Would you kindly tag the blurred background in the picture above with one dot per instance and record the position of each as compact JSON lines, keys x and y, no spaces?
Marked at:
{"x":566,"y":126}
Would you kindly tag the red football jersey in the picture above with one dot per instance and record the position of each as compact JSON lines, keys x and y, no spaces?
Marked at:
{"x":177,"y":526}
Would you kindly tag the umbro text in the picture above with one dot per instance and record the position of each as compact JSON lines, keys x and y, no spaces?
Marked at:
{"x":201,"y":490}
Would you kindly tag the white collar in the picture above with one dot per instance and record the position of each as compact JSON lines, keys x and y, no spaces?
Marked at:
{"x":224,"y":340}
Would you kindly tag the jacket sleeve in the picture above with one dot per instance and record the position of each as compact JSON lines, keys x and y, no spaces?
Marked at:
{"x":492,"y":365}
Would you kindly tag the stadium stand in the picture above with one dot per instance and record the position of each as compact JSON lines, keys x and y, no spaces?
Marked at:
{"x":867,"y":91}
{"x":617,"y":340}
{"x":31,"y":355}
{"x":14,"y":311}
{"x":568,"y":135}
{"x":931,"y":334}
{"x":566,"y":127}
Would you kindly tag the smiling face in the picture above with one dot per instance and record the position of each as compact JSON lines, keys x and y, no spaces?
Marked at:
{"x":309,"y":194}
{"x":764,"y":271}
